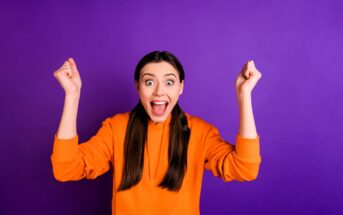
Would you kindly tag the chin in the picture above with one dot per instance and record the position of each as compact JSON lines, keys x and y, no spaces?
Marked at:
{"x":156,"y":119}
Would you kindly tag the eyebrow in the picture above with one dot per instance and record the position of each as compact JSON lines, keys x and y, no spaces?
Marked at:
{"x":155,"y":75}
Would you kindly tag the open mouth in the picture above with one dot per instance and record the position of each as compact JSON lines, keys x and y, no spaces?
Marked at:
{"x":159,"y":107}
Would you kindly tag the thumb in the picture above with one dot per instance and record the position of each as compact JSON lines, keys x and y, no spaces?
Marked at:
{"x":250,"y":69}
{"x":251,"y":65}
{"x":72,"y":64}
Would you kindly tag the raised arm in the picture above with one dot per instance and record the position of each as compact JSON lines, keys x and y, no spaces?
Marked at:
{"x":240,"y":161}
{"x":69,"y":78}
{"x":72,"y":161}
{"x":245,"y":83}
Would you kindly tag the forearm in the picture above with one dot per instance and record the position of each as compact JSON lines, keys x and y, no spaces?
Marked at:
{"x":67,"y":128}
{"x":247,"y":128}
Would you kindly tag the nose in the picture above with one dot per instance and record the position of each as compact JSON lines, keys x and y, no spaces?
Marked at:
{"x":159,"y":91}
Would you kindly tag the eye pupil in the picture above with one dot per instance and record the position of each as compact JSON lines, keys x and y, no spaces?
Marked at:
{"x":148,"y":82}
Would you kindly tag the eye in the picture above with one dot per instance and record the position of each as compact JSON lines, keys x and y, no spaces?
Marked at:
{"x":170,"y":82}
{"x":148,"y":82}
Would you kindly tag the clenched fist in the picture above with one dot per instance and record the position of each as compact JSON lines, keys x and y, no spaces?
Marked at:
{"x":69,"y":78}
{"x":247,"y":78}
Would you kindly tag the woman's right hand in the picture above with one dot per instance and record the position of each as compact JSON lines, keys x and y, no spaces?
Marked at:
{"x":69,"y":77}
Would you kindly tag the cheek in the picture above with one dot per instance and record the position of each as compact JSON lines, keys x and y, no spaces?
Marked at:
{"x":144,"y":94}
{"x":174,"y":96}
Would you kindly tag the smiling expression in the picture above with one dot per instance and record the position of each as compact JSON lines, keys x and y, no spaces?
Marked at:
{"x":159,"y":88}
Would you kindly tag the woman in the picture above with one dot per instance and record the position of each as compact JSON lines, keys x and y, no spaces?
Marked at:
{"x":158,"y":152}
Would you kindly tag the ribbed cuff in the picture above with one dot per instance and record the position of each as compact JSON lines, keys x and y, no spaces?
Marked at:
{"x":65,"y":149}
{"x":248,"y":148}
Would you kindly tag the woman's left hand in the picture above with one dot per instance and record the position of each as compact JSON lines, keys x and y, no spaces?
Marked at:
{"x":247,"y":78}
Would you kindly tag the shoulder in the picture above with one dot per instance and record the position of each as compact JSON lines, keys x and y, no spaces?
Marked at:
{"x":118,"y":119}
{"x":197,"y":122}
{"x":121,"y":116}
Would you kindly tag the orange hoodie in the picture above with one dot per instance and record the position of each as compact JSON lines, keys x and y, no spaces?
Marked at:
{"x":206,"y":150}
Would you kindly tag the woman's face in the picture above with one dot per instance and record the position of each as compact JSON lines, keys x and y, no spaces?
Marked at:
{"x":159,"y":89}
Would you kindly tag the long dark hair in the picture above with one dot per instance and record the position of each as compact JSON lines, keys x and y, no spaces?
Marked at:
{"x":136,"y":135}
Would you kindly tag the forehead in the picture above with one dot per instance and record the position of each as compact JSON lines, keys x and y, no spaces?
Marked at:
{"x":158,"y":69}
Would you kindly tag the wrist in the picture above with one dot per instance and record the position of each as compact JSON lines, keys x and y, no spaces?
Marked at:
{"x":243,"y":95}
{"x":72,"y":96}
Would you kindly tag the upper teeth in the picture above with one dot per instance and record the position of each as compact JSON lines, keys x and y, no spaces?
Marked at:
{"x":159,"y":103}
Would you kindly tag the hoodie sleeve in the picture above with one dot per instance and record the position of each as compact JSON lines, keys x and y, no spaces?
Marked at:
{"x":232,"y":162}
{"x":72,"y":161}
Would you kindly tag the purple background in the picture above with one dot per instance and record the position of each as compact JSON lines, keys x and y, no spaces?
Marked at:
{"x":298,"y":105}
